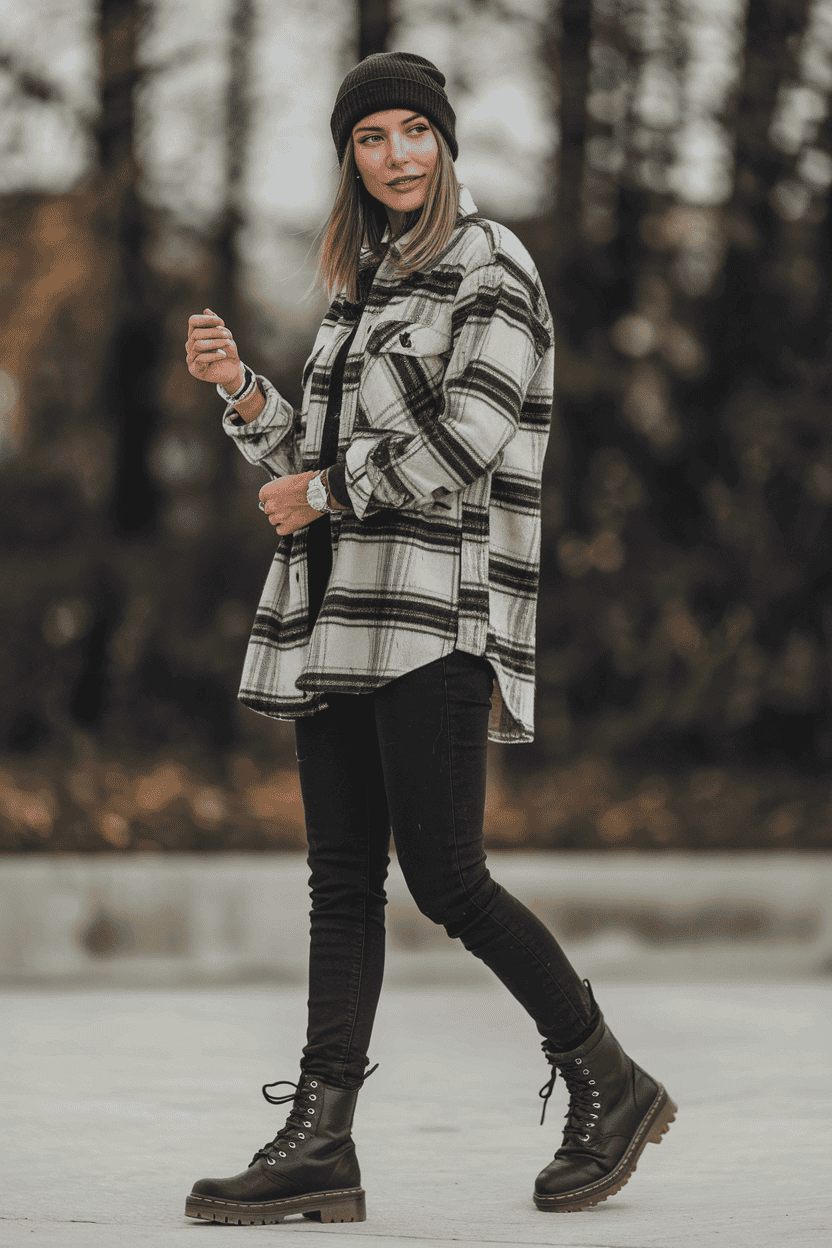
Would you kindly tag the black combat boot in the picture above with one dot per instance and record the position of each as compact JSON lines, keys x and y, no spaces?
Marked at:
{"x":310,"y":1167}
{"x":615,"y":1109}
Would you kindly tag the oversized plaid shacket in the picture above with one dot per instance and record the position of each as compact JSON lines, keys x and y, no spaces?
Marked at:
{"x":444,"y":420}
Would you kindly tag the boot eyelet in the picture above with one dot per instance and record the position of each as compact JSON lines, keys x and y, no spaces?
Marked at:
{"x":313,"y":1097}
{"x":591,"y":1081}
{"x":310,"y":1112}
{"x":282,"y":1154}
{"x":269,"y":1162}
{"x":586,"y":1072}
{"x":292,"y":1145}
{"x":313,"y":1084}
{"x":585,"y":1137}
{"x":578,"y":1061}
{"x":596,"y":1104}
{"x":307,"y":1124}
{"x":301,"y":1136}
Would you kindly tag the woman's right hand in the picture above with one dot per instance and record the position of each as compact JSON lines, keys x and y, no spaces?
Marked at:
{"x":212,"y":353}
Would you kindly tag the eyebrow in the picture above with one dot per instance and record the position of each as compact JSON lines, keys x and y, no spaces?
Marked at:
{"x":407,"y":120}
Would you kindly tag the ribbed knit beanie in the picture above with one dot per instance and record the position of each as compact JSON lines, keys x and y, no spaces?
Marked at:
{"x":392,"y":80}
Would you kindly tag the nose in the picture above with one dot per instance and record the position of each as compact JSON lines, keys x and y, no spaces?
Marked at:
{"x":397,"y":150}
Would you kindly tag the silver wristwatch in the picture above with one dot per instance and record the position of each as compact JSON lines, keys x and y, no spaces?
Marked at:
{"x":316,"y":494}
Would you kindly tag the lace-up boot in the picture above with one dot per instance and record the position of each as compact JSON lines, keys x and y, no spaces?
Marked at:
{"x":310,"y":1167}
{"x":615,"y":1109}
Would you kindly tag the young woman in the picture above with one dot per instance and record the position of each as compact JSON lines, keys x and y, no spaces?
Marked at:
{"x":396,"y":628}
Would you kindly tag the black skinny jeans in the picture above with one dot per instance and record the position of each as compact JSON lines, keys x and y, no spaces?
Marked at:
{"x":412,"y":754}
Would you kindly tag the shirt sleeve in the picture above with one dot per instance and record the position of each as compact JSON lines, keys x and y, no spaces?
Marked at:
{"x":502,"y":329}
{"x":274,"y":438}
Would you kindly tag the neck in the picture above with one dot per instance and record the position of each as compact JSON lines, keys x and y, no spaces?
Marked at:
{"x":396,"y":220}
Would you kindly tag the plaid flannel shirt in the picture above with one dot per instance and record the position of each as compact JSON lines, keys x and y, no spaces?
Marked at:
{"x":445,"y":416}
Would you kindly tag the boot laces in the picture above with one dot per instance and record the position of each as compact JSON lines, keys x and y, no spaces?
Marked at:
{"x":298,"y":1120}
{"x":584,"y":1110}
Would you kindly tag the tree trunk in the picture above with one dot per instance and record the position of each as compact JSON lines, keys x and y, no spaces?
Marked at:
{"x":374,"y":23}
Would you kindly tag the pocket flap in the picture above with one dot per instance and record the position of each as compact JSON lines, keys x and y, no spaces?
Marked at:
{"x":407,"y":338}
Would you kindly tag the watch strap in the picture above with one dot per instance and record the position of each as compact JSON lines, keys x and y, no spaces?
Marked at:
{"x":336,"y":484}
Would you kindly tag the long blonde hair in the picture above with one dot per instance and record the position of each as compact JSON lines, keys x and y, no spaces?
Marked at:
{"x":359,"y":220}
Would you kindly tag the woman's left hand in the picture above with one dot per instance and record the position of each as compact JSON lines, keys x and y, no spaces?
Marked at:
{"x":284,"y":502}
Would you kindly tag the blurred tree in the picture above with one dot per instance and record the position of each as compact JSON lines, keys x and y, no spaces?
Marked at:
{"x":374,"y":23}
{"x":680,"y":620}
{"x":120,"y":517}
{"x":195,"y":558}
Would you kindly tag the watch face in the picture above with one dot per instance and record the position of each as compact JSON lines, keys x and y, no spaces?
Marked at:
{"x":316,"y":494}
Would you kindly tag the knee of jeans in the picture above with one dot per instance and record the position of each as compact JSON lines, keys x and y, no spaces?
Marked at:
{"x":453,"y":908}
{"x":440,"y":912}
{"x":351,"y":889}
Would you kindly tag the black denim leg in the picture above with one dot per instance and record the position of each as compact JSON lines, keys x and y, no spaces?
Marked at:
{"x":432,"y":731}
{"x":417,"y":745}
{"x":348,"y":831}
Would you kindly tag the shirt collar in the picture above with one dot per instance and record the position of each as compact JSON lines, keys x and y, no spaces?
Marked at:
{"x":467,"y":207}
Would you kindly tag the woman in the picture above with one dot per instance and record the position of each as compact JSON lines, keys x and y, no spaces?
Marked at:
{"x":398,"y":633}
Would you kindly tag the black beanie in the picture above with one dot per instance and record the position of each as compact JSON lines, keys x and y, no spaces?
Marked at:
{"x":392,"y":80}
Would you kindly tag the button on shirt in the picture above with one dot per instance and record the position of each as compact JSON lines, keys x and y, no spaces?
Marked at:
{"x":445,"y":407}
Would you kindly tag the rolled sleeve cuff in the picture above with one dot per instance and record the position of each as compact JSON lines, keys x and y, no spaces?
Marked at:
{"x":268,"y":439}
{"x":272,"y":414}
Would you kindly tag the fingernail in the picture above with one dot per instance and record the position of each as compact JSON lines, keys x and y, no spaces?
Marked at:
{"x":220,"y":352}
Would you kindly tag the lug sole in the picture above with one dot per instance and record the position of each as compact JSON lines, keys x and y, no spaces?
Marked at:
{"x":348,"y":1205}
{"x":654,"y":1125}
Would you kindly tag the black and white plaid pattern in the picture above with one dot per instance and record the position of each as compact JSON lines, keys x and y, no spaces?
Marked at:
{"x":445,"y":417}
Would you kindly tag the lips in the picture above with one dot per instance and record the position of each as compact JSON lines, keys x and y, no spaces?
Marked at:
{"x":406,"y":181}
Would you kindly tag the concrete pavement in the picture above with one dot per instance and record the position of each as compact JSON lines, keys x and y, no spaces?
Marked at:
{"x":115,"y":1101}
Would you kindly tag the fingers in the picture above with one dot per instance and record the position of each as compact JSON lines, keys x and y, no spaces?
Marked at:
{"x":210,"y":347}
{"x":208,"y":339}
{"x":205,"y":322}
{"x":288,"y":519}
{"x":207,"y":346}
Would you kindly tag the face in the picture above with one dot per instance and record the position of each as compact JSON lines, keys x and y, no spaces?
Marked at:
{"x":395,"y":152}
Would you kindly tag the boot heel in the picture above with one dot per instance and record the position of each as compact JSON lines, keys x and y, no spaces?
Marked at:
{"x":346,"y":1211}
{"x":351,"y":1209}
{"x":667,"y":1114}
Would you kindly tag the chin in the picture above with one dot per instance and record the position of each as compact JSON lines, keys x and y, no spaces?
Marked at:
{"x":407,"y":203}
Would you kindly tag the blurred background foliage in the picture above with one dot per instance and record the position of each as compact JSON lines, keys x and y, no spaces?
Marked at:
{"x":666,"y":162}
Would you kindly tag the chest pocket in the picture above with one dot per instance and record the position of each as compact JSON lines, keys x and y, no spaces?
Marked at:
{"x":403,"y":374}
